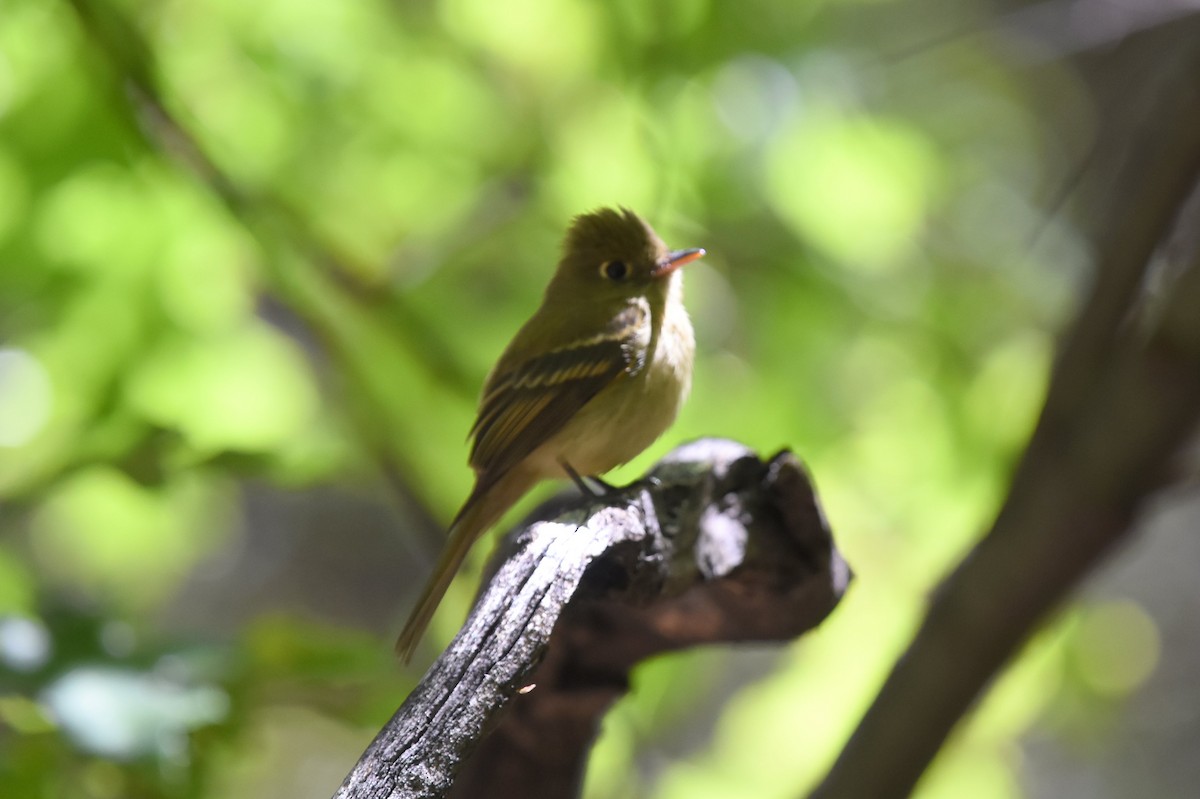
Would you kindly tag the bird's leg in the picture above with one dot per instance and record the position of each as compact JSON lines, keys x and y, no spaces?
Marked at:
{"x":582,"y":482}
{"x":607,"y":487}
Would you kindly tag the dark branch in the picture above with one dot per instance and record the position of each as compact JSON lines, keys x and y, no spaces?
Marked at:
{"x":715,"y":546}
{"x":1124,"y":397}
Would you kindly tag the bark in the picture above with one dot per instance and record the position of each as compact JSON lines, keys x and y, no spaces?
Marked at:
{"x":714,"y":546}
{"x":1124,"y":398}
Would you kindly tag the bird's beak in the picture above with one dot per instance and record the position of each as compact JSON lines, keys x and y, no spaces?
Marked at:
{"x":676,"y":259}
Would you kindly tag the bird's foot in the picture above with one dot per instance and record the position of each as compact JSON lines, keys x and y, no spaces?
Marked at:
{"x":590,"y":486}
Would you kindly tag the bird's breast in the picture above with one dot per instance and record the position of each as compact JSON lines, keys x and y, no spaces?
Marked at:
{"x":634,"y":410}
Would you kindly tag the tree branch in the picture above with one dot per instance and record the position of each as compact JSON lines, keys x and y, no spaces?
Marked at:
{"x":715,"y":545}
{"x":1125,"y":395}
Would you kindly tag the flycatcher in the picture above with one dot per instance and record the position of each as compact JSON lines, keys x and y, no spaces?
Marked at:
{"x":592,"y":379}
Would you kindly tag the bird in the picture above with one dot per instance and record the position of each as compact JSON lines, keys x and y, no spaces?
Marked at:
{"x":594,"y":377}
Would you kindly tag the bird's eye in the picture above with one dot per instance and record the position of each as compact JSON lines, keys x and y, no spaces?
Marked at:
{"x":614,"y":270}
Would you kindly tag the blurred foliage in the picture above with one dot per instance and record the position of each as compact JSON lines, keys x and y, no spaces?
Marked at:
{"x":257,"y":249}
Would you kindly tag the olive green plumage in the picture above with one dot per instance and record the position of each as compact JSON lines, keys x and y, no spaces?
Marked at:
{"x":592,"y":379}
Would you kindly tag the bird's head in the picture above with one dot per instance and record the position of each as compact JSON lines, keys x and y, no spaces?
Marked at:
{"x":613,"y":255}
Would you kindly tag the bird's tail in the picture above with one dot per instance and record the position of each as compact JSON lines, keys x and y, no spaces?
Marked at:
{"x":481,"y":510}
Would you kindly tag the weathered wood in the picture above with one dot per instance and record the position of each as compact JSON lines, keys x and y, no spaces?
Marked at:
{"x":715,"y":545}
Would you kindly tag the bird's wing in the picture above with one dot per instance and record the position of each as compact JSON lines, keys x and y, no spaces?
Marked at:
{"x":528,"y":403}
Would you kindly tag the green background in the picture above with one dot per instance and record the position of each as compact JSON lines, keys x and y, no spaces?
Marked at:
{"x":256,"y":259}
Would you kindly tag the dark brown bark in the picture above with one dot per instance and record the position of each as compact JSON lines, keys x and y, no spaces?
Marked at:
{"x":714,"y":546}
{"x":1123,"y":398}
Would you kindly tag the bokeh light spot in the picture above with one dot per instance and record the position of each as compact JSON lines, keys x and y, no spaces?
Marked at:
{"x":247,"y":391}
{"x":24,"y":643}
{"x":1116,"y":647}
{"x":857,"y":189}
{"x":25,"y":397}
